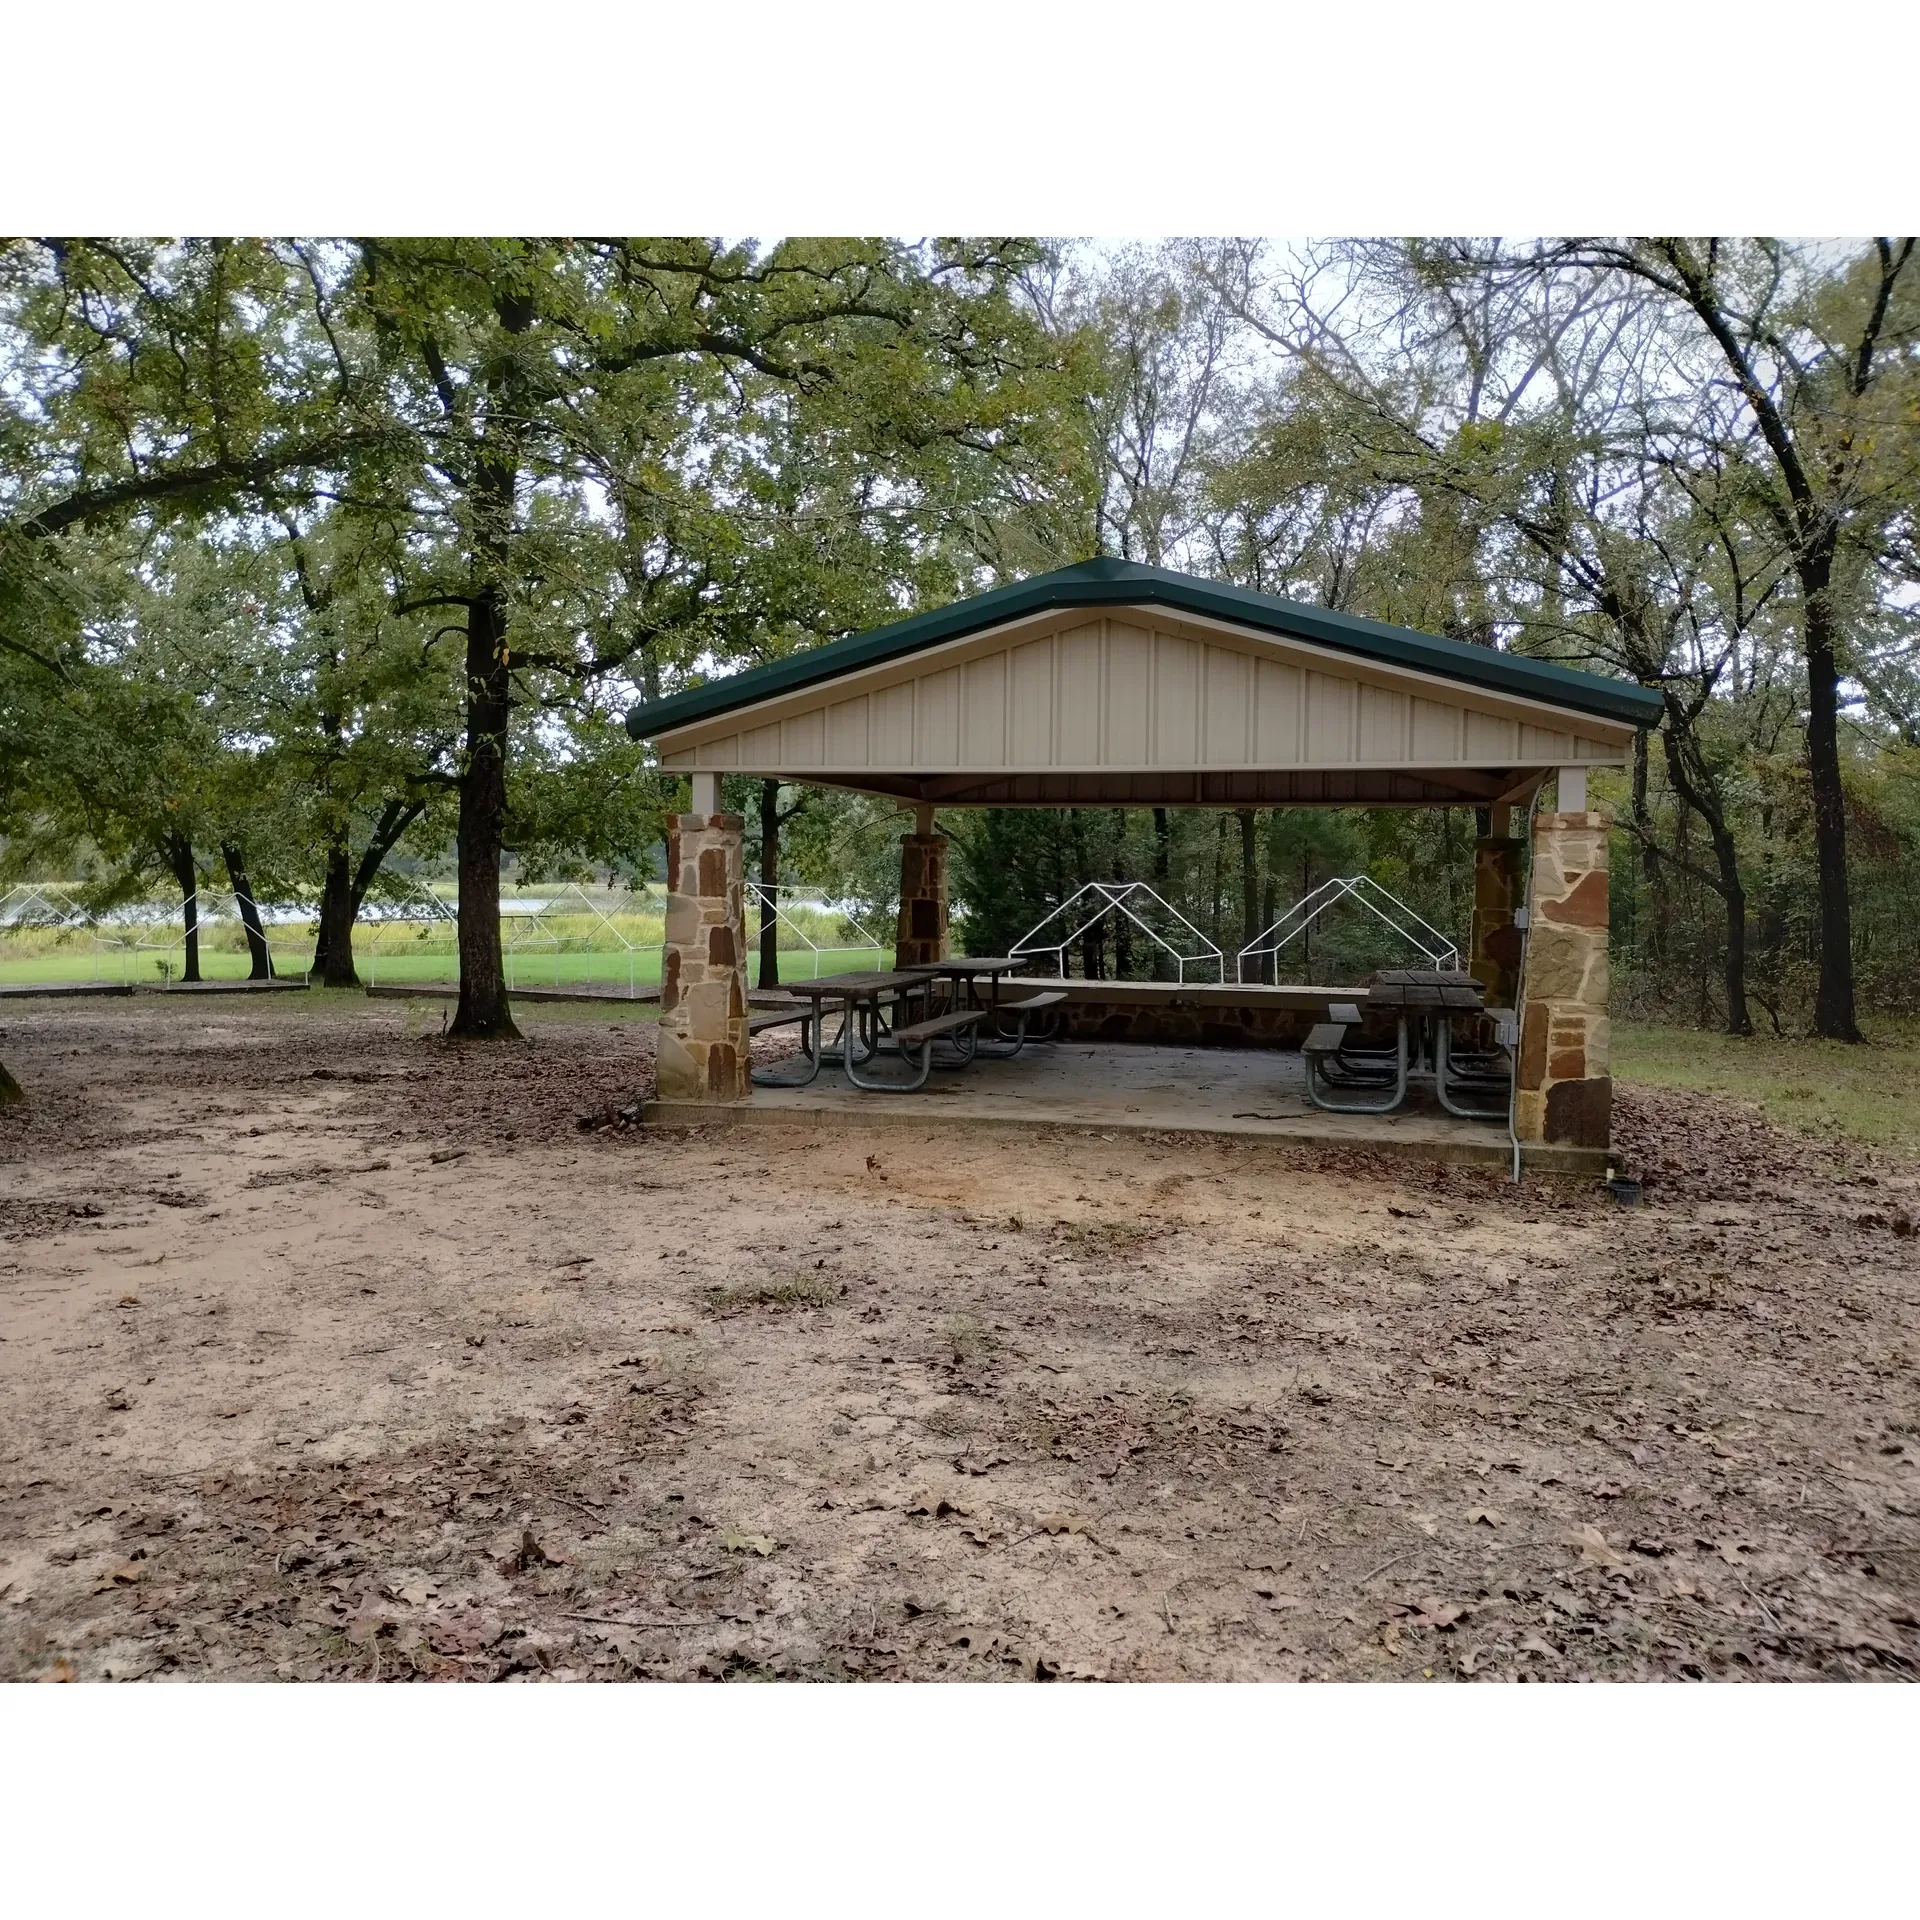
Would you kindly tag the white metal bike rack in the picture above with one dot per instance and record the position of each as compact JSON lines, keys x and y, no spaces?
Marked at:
{"x":405,"y":902}
{"x":1440,"y":951}
{"x":51,"y":909}
{"x":769,"y":902}
{"x":533,"y":932}
{"x":1108,"y":897}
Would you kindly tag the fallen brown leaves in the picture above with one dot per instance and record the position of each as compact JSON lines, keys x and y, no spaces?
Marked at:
{"x":1354,"y":1418}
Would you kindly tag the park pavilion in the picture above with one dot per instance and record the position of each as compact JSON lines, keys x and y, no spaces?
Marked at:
{"x":1114,"y":684}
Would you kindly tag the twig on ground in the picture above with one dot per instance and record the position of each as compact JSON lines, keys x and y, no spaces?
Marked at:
{"x":607,"y":1620}
{"x":1761,"y":1604}
{"x":1385,"y":1564}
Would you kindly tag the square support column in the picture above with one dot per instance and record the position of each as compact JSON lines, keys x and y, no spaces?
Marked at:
{"x":922,"y":932}
{"x":1564,"y":1094}
{"x":1499,"y":869}
{"x":703,"y":969}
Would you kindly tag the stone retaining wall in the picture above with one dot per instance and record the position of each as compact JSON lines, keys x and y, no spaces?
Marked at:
{"x":1189,"y":1026}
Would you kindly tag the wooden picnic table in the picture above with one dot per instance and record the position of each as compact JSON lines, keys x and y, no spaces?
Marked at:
{"x":1471,"y":1085}
{"x":965,"y":972}
{"x":961,"y":965}
{"x":864,"y":999}
{"x":809,"y":1001}
{"x":861,"y":984}
{"x":862,"y":994}
{"x":1423,"y":1001}
{"x":1425,"y":989}
{"x":866,"y":1030}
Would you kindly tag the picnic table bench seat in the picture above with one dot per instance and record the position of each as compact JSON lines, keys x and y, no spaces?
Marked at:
{"x":939,"y":1024}
{"x":1343,"y":1081}
{"x":1021,"y":1013}
{"x":804,"y":1014}
{"x":915,"y":1047}
{"x":766,"y":1022}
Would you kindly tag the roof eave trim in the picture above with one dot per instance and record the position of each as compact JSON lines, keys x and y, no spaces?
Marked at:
{"x":1619,"y":701}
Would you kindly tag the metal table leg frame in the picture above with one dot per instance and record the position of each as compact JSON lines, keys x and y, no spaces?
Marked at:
{"x":810,"y":1051}
{"x":1001,"y":1046}
{"x":1396,"y":1094}
{"x":1442,"y":1075}
{"x":964,"y":1044}
{"x":919,"y":1062}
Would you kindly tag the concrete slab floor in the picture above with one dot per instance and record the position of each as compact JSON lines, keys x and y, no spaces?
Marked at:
{"x":1208,"y":1090}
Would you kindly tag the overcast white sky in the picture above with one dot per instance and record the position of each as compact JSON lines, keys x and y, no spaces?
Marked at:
{"x":999,"y":115}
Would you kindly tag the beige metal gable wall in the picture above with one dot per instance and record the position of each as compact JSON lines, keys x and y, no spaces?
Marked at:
{"x":1136,"y":691}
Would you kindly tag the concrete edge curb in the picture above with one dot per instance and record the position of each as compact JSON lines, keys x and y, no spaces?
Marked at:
{"x":1578,"y":1162}
{"x":433,"y":990}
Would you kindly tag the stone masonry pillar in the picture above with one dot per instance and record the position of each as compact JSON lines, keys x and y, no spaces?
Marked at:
{"x":922,"y":932}
{"x":1564,"y":1094}
{"x":1494,"y":957}
{"x":703,"y":970}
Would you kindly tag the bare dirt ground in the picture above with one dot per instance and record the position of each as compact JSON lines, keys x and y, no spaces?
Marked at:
{"x":289,"y":1392}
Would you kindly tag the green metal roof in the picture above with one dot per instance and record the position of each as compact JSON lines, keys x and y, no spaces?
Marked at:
{"x":1106,"y":583}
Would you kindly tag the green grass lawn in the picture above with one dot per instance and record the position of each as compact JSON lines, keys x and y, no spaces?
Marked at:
{"x":409,"y":964}
{"x":138,"y":968}
{"x":531,"y":967}
{"x":1869,"y":1093}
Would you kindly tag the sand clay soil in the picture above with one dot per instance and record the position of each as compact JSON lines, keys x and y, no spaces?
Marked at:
{"x":334,"y":1351}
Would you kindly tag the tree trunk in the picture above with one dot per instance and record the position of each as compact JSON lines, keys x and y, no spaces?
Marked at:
{"x":1739,"y":1020}
{"x":1249,"y":880}
{"x":1090,"y":938}
{"x":1306,"y":932}
{"x":1215,"y":893}
{"x":261,"y":967}
{"x":1642,"y":820}
{"x":180,"y":859}
{"x":769,"y":880}
{"x":1833,"y":1008}
{"x":1162,"y":867}
{"x":483,"y":1013}
{"x":333,"y":950}
{"x":1269,"y":912}
{"x":342,"y":896}
{"x":1122,"y":926}
{"x":1695,"y":788}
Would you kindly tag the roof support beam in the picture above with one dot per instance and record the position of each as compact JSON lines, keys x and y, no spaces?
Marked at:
{"x":1236,"y":788}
